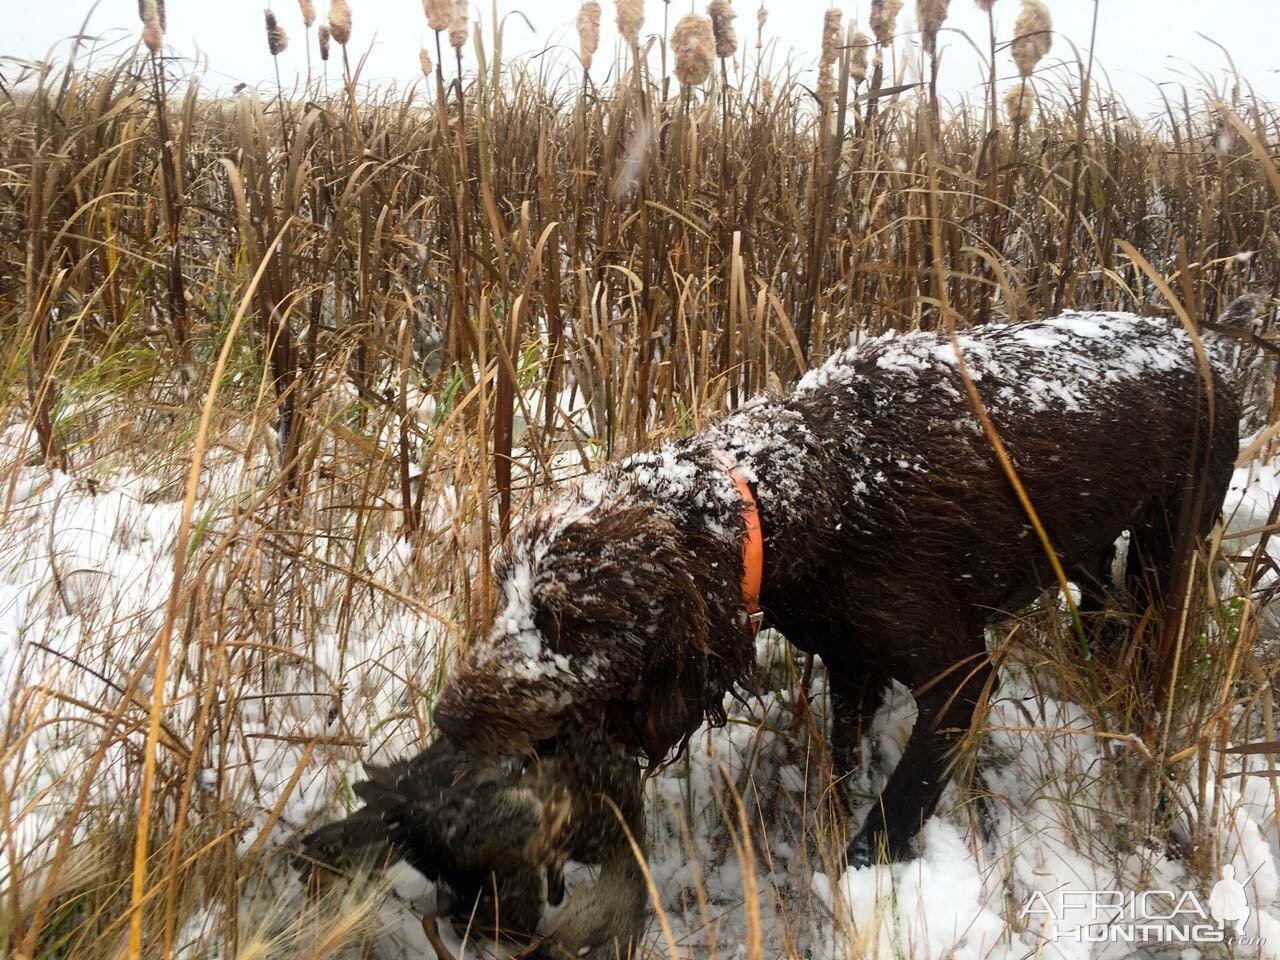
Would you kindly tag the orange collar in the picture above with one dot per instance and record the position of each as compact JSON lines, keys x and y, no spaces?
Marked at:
{"x":752,"y":549}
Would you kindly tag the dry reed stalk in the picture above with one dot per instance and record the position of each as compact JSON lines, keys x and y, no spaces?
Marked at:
{"x":1033,"y":36}
{"x":340,"y":21}
{"x":588,"y":24}
{"x":630,"y":20}
{"x":1043,"y":21}
{"x":694,"y":45}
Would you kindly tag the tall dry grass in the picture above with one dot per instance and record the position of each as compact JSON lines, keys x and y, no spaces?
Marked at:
{"x":390,"y":316}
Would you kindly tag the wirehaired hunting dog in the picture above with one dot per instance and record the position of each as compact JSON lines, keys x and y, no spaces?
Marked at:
{"x":494,"y":831}
{"x":890,"y":535}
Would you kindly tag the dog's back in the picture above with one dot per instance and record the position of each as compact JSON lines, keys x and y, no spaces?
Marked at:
{"x":1105,"y":420}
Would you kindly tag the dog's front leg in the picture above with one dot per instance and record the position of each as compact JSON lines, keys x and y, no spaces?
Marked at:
{"x":945,"y":708}
{"x":854,"y":702}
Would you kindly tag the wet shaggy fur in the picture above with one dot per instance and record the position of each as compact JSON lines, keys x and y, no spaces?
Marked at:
{"x":891,"y":537}
{"x":493,"y":832}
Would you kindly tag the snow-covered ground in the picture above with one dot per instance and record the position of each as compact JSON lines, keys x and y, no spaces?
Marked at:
{"x":85,"y":572}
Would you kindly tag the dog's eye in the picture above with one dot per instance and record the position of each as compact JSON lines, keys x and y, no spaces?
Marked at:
{"x":547,"y":624}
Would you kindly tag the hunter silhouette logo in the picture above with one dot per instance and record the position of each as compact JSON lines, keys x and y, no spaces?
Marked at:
{"x":1145,"y":916}
{"x":1227,"y":902}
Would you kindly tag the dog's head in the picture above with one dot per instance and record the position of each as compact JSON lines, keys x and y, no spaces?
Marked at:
{"x":605,"y":614}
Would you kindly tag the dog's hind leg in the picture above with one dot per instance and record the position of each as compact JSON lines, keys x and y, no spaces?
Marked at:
{"x":945,"y":708}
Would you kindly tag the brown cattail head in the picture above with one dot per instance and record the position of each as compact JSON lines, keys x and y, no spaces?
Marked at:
{"x":340,"y":21}
{"x":152,"y":36}
{"x":985,"y":5}
{"x":308,"y":13}
{"x":832,"y":34}
{"x":883,"y":19}
{"x":424,"y":59}
{"x":439,"y":13}
{"x":588,"y":24}
{"x":930,"y":16}
{"x":722,"y":14}
{"x":630,"y":20}
{"x":761,"y":16}
{"x":1019,"y":102}
{"x":149,"y":12}
{"x":694,"y":44}
{"x":1033,"y":35}
{"x":277,"y":39}
{"x":323,"y":35}
{"x":459,"y":23}
{"x":859,"y":43}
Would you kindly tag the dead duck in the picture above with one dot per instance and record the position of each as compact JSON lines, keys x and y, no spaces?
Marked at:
{"x":493,"y":832}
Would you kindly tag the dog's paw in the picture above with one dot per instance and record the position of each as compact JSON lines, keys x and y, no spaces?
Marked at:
{"x":862,"y":851}
{"x":872,"y":847}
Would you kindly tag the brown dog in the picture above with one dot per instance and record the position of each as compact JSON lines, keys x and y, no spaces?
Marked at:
{"x":891,"y":535}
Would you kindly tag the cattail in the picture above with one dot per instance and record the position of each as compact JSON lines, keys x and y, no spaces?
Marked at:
{"x":722,"y":16}
{"x":308,"y":13}
{"x":152,"y":36}
{"x":340,"y":21}
{"x":323,"y":35}
{"x":761,"y":16}
{"x":458,"y":24}
{"x":277,"y":39}
{"x":152,"y":28}
{"x":930,"y":16}
{"x":695,"y":49}
{"x":1032,"y":35}
{"x":858,"y":44}
{"x":883,"y":19}
{"x":588,"y":24}
{"x":1019,"y":101}
{"x":439,"y":13}
{"x":832,"y":33}
{"x":160,"y":16}
{"x":985,"y":5}
{"x":424,"y":58}
{"x":630,"y":20}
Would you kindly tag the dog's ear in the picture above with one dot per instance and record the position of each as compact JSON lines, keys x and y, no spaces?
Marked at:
{"x":674,"y":675}
{"x":655,"y":606}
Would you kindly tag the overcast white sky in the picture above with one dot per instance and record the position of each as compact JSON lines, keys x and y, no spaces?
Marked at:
{"x":1140,"y":42}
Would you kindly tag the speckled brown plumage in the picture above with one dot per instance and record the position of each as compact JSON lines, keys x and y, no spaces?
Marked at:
{"x":892,"y":535}
{"x":493,"y":831}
